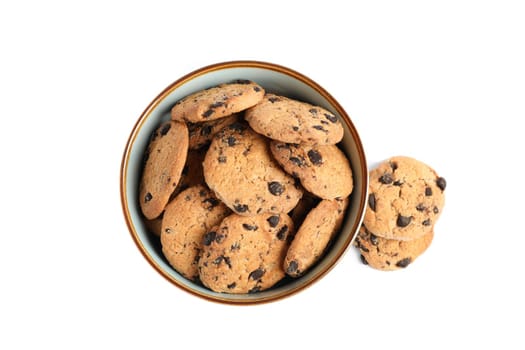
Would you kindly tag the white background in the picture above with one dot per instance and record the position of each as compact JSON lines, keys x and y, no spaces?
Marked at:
{"x":441,"y":81}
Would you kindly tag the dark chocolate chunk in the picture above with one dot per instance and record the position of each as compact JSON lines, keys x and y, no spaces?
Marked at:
{"x":237,"y":126}
{"x":254,"y":290}
{"x":428,"y":191}
{"x":292,"y":267}
{"x":218,"y":260}
{"x":397,"y":183}
{"x":403,"y":221}
{"x":281,"y":234}
{"x":427,"y":222}
{"x":274,"y":99}
{"x":148,"y":197}
{"x":315,"y":157}
{"x":256,"y":274}
{"x":217,"y":104}
{"x":235,"y":246}
{"x":231,"y":285}
{"x":421,"y":207}
{"x":441,"y":183}
{"x":436,"y":210}
{"x":313,"y":111}
{"x":165,"y":128}
{"x":221,"y":159}
{"x":256,"y":88}
{"x":363,"y":259}
{"x":231,"y":141}
{"x":386,"y":179}
{"x":249,"y":227}
{"x":275,"y":188}
{"x":404,"y":262}
{"x":393,"y":165}
{"x":227,"y":260}
{"x":219,"y":237}
{"x":295,"y":128}
{"x":209,"y":237}
{"x":297,"y":161}
{"x":208,"y":113}
{"x":240,"y":208}
{"x":273,"y":220}
{"x":331,"y":117}
{"x":372,"y":201}
{"x":213,"y":202}
{"x":320,"y":128}
{"x":373,"y":239}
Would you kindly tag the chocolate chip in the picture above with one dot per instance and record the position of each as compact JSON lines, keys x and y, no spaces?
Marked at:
{"x":404,"y":262}
{"x":315,"y":157}
{"x":281,"y":234}
{"x":386,"y":179}
{"x":393,"y":165}
{"x":441,"y":183}
{"x":231,"y":141}
{"x":274,"y":99}
{"x":428,"y":191}
{"x":208,"y":113}
{"x":273,"y":220}
{"x":427,"y":222}
{"x":397,"y":183}
{"x":254,"y":290}
{"x":237,"y":126}
{"x":292,"y":267}
{"x":372,"y":201}
{"x":256,"y":88}
{"x":295,"y":128}
{"x":240,"y":208}
{"x":313,"y":111}
{"x":217,"y":104}
{"x":165,"y":128}
{"x":435,"y":210}
{"x":275,"y":188}
{"x":227,"y":261}
{"x":231,"y":285}
{"x":219,"y":238}
{"x":331,"y":117}
{"x":235,"y":246}
{"x":420,"y":207}
{"x":403,"y":221}
{"x":249,"y":227}
{"x":209,"y":237}
{"x":297,"y":161}
{"x":363,"y":259}
{"x":256,"y":274}
{"x":221,"y":159}
{"x":148,"y":197}
{"x":202,"y":193}
{"x":373,"y":239}
{"x":218,"y":260}
{"x":320,"y":128}
{"x":212,"y":201}
{"x":364,"y":249}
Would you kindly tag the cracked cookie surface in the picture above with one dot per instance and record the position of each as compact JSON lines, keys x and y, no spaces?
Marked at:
{"x":323,"y":170}
{"x":239,"y":168}
{"x":405,"y":200}
{"x":163,"y":164}
{"x":390,"y":254}
{"x":218,"y":101}
{"x":245,"y":254}
{"x":287,"y":120}
{"x":186,"y":219}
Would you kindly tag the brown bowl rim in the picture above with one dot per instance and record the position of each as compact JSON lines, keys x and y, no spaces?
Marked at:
{"x":243,"y":64}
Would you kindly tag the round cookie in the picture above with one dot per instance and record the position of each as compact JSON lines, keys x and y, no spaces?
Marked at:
{"x":245,"y":254}
{"x":307,"y":202}
{"x":163,"y":163}
{"x":323,"y":170}
{"x":185,"y":221}
{"x":390,"y":254}
{"x":405,"y":199}
{"x":154,"y":226}
{"x":239,"y":168}
{"x":287,"y":120}
{"x":201,"y":134}
{"x":217,"y":102}
{"x":314,"y":235}
{"x":192,"y":174}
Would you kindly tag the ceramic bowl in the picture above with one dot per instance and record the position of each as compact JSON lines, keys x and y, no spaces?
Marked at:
{"x":274,"y":78}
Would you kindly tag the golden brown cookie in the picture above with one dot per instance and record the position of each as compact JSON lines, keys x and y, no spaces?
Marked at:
{"x":245,"y":254}
{"x":202,"y":133}
{"x":390,"y":254}
{"x":314,"y":235}
{"x":287,"y":120}
{"x":307,"y":202}
{"x":405,"y":200}
{"x":323,"y":170}
{"x":185,"y":221}
{"x":218,"y":102}
{"x":239,"y":168}
{"x":164,"y":161}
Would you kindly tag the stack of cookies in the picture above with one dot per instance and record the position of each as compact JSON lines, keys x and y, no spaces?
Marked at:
{"x":406,"y":198}
{"x":245,"y":187}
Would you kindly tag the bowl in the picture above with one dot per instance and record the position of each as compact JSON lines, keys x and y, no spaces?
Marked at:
{"x":273,"y":78}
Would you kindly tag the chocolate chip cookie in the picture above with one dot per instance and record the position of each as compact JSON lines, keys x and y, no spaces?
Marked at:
{"x":185,"y":221}
{"x":218,"y":102}
{"x":323,"y":170}
{"x":287,"y":120}
{"x":245,"y":254}
{"x":202,"y":133}
{"x":390,"y":254}
{"x":239,"y":168}
{"x":164,"y":161}
{"x":405,"y":200}
{"x":314,"y":235}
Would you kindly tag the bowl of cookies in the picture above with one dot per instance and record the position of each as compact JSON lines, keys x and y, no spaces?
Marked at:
{"x":243,"y":182}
